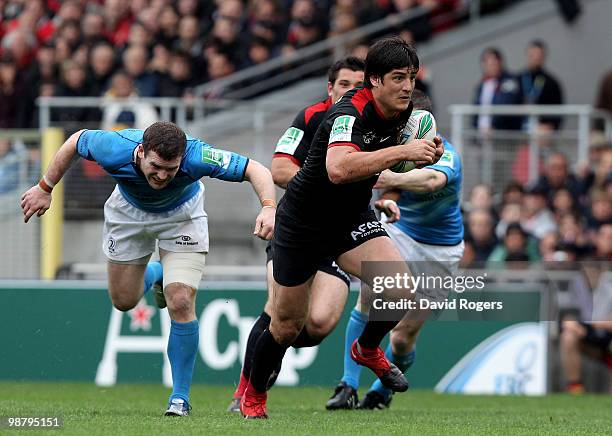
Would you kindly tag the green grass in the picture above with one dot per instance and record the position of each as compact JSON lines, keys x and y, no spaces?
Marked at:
{"x":137,"y":409}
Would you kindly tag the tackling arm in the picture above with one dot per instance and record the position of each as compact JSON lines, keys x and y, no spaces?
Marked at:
{"x":419,"y":180}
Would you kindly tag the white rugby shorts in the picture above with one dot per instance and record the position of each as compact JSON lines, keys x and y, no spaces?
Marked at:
{"x":130,"y":233}
{"x":428,"y":260}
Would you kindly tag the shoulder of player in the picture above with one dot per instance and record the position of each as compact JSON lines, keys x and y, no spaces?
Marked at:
{"x":315,"y":112}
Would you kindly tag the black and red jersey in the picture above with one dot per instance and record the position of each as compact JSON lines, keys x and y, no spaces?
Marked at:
{"x":355,"y":121}
{"x":295,"y":142}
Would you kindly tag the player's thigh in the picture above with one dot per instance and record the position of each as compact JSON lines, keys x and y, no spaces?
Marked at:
{"x":328,"y":297}
{"x":182,"y":268}
{"x":126,"y":282}
{"x":125,"y":236}
{"x":380,"y":250}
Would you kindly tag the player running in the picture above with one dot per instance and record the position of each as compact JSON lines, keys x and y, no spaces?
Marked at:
{"x":357,"y":140}
{"x":158,"y":197}
{"x":429,"y":235}
{"x":330,"y":285}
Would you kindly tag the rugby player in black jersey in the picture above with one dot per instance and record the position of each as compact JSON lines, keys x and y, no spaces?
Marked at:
{"x":330,"y":285}
{"x":357,"y":140}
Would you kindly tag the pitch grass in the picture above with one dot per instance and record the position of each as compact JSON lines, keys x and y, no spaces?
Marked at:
{"x":137,"y":409}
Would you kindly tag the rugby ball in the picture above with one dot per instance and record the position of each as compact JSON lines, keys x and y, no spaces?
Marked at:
{"x":420,"y":125}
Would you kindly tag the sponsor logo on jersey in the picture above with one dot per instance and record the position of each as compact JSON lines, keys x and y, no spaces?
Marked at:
{"x":218,"y":158}
{"x":342,"y":129}
{"x":366,"y":229}
{"x":289,"y":141}
{"x":446,"y":160}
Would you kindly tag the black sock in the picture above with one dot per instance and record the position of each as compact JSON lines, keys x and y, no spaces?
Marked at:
{"x":374,"y":332}
{"x":262,"y":323}
{"x":267,"y":357}
{"x":305,"y":340}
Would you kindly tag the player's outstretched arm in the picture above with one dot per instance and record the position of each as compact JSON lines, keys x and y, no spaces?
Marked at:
{"x":419,"y":180}
{"x":261,"y":180}
{"x":37,"y":199}
{"x":345,"y":164}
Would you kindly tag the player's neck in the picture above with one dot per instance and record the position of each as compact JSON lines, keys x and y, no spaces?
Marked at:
{"x":383,"y":111}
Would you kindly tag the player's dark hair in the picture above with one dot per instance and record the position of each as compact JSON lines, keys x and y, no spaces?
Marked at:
{"x":166,"y":139}
{"x":421,"y":101}
{"x":350,"y":63}
{"x":389,"y":54}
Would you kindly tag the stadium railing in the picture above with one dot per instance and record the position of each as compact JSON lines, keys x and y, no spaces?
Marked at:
{"x":493,"y":156}
{"x":19,"y":250}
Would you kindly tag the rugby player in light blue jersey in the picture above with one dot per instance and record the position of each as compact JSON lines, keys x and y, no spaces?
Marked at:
{"x":158,"y":197}
{"x":428,"y":231}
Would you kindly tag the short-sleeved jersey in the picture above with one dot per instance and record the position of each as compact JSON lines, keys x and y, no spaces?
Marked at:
{"x":116,"y":153}
{"x":295,"y":142}
{"x":435,"y":218}
{"x":355,"y":121}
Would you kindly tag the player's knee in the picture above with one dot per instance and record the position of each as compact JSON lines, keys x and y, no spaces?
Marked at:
{"x":319,"y":328}
{"x":124,"y":304}
{"x":179,"y":300}
{"x":285,"y":332}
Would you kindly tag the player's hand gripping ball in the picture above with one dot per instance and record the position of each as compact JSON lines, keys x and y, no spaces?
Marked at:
{"x":420,"y":125}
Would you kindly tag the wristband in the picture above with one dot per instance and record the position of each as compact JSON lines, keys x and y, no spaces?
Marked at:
{"x":45,"y":185}
{"x":268,"y":203}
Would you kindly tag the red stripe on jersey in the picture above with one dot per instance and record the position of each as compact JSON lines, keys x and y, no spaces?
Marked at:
{"x":310,"y":111}
{"x":288,"y":156}
{"x":344,"y":144}
{"x":361,"y":98}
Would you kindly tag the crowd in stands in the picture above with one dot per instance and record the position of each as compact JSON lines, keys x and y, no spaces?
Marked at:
{"x":567,"y":213}
{"x":168,"y":47}
{"x":561,"y":217}
{"x":534,"y":85}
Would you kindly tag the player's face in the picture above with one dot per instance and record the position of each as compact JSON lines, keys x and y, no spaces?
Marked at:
{"x":157,"y":171}
{"x":345,"y":81}
{"x":393,"y":93}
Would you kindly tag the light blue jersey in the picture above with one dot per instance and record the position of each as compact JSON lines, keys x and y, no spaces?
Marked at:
{"x":435,"y":218}
{"x":115,"y":152}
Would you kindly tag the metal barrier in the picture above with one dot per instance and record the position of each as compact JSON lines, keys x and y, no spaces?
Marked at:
{"x":19,"y":167}
{"x":494,"y":157}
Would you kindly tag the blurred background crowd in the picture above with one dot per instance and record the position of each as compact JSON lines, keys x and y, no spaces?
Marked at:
{"x":165,"y":48}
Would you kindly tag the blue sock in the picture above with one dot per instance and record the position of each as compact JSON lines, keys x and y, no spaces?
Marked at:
{"x":153,"y":273}
{"x":354,"y":328}
{"x":182,"y":350}
{"x":402,"y":361}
